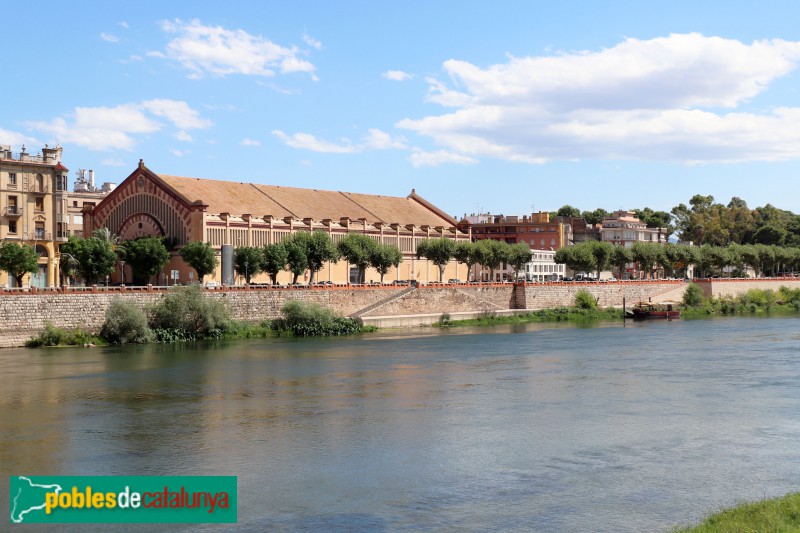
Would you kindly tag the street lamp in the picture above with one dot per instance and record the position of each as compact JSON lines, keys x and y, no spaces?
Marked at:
{"x":122,"y":268}
{"x":245,"y":273}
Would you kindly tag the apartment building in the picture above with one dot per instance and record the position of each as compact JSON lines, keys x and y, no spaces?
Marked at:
{"x":33,"y":196}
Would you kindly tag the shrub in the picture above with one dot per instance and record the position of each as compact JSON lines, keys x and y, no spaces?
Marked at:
{"x":758,"y":298}
{"x":125,"y":322}
{"x":55,"y":336}
{"x":693,"y":296}
{"x":585,"y":300}
{"x":309,"y":320}
{"x":187,"y":313}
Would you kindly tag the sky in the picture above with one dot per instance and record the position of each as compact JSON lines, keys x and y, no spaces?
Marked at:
{"x":503,"y":107}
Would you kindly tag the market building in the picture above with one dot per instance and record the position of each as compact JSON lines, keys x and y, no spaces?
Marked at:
{"x":184,"y":209}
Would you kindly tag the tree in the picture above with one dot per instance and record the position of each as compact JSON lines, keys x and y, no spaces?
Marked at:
{"x":518,"y":255}
{"x":769,"y":234}
{"x":357,"y":249}
{"x":319,"y":250}
{"x":248,"y":262}
{"x":467,"y":254}
{"x":620,"y":258}
{"x":384,"y":257}
{"x":492,"y":254}
{"x":18,"y":260}
{"x":646,"y":254}
{"x":146,"y":257}
{"x":568,"y":211}
{"x":438,"y":251}
{"x":596,"y":216}
{"x":296,"y":258}
{"x":602,"y":255}
{"x":201,"y":257}
{"x":94,"y":257}
{"x":578,"y":258}
{"x":274,"y":258}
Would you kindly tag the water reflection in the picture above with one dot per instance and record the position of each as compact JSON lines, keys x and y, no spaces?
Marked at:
{"x":559,"y":428}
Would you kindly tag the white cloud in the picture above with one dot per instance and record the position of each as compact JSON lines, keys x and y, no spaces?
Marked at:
{"x":250,"y":142}
{"x":109,"y":37}
{"x":219,"y":51}
{"x":657,"y":99}
{"x":440,"y":157}
{"x":179,"y":153}
{"x":380,"y":140}
{"x":374,"y":140}
{"x":124,"y":24}
{"x":397,"y":75}
{"x":183,"y":136}
{"x":16,"y":139}
{"x":310,"y":41}
{"x":306,"y":141}
{"x":107,"y":128}
{"x":113,"y":162}
{"x":178,"y":112}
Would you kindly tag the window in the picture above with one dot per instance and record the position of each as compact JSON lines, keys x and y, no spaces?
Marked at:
{"x":12,"y":179}
{"x":74,"y":203}
{"x":12,"y":226}
{"x":40,"y":230}
{"x":542,"y":242}
{"x":12,"y":205}
{"x":39,"y":204}
{"x":552,"y":242}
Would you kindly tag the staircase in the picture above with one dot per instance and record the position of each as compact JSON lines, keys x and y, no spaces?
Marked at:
{"x":388,"y":299}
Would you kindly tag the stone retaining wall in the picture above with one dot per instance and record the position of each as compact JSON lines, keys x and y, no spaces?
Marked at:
{"x":24,"y":314}
{"x":733,"y":287}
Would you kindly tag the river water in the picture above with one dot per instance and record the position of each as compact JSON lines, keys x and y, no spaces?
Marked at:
{"x":617,"y":428}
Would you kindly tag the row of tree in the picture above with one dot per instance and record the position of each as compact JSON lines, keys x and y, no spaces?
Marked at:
{"x":705,"y":221}
{"x":488,"y":253}
{"x":675,"y":259}
{"x":309,"y":251}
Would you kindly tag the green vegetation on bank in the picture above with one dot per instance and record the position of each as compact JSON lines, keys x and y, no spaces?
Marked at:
{"x":586,"y":309}
{"x":777,"y":515}
{"x":558,"y":314}
{"x":188,"y":314}
{"x":754,"y":301}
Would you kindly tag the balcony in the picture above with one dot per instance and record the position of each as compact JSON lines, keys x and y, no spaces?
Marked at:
{"x":38,"y":187}
{"x":12,"y":211}
{"x":40,"y":236}
{"x":62,"y":236}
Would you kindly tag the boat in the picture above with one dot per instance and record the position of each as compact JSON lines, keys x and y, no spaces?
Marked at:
{"x":646,"y":310}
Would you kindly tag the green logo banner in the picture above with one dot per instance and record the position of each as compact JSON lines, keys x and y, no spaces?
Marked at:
{"x":122,"y":499}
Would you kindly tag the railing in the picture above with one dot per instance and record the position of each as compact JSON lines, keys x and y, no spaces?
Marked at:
{"x":35,"y":187}
{"x":12,"y":211}
{"x":40,"y":236}
{"x":62,"y":235}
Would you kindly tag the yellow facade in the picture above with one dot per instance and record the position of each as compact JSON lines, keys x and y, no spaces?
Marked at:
{"x":33,"y":193}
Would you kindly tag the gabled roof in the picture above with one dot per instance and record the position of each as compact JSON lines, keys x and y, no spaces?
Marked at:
{"x":238,"y":198}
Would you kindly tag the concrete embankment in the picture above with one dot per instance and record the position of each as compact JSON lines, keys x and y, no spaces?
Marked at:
{"x":24,"y":314}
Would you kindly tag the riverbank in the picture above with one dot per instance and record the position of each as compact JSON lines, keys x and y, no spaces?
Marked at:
{"x":776,"y":515}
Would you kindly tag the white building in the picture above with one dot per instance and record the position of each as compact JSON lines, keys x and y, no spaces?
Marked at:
{"x":623,"y":228}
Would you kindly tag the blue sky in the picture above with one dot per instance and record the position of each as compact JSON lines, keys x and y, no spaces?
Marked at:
{"x":505,"y":107}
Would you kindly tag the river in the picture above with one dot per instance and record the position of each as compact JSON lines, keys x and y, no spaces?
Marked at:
{"x":549,"y":427}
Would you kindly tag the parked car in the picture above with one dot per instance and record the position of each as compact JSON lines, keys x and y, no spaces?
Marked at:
{"x":454,"y":280}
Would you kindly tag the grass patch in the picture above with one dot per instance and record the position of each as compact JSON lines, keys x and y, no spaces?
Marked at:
{"x":559,"y":314}
{"x":777,"y":515}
